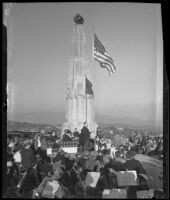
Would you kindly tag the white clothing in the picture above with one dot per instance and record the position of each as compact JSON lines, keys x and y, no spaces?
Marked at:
{"x":17,"y":157}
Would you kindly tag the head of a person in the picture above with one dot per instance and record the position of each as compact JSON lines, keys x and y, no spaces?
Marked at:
{"x":68,"y":132}
{"x":93,"y":155}
{"x":106,"y":159}
{"x":85,"y":124}
{"x":97,"y":138}
{"x":129,"y":155}
{"x":98,"y":129}
{"x":57,"y":172}
{"x":65,"y":131}
{"x":27,"y":144}
{"x":75,"y":130}
{"x":38,"y":156}
{"x":86,"y":154}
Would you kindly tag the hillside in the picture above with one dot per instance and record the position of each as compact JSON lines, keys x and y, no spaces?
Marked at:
{"x":25,"y":126}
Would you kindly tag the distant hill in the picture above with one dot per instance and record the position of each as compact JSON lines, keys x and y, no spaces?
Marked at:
{"x":57,"y":118}
{"x":46,"y":117}
{"x":125,"y":122}
{"x":25,"y":126}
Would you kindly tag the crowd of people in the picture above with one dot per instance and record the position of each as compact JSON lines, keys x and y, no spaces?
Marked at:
{"x":34,"y":173}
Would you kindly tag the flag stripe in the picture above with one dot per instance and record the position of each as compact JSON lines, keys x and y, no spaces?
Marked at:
{"x":109,"y":66}
{"x":106,"y":66}
{"x":102,"y":58}
{"x":105,"y":54}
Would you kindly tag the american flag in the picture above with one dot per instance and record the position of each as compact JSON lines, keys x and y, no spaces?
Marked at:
{"x":102,"y":56}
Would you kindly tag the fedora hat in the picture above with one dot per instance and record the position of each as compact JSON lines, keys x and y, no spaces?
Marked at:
{"x":93,"y":154}
{"x":86,"y":154}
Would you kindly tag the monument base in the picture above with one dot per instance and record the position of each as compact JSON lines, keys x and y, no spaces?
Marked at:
{"x":92,"y":126}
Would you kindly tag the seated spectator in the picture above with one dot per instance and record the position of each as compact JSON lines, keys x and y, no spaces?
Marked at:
{"x":106,"y":180}
{"x":69,"y":177}
{"x":51,"y":187}
{"x":67,"y":136}
{"x":43,"y":146}
{"x":44,"y":167}
{"x":133,"y":164}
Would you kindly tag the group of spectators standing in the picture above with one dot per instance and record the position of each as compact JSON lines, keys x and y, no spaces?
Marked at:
{"x":32,"y":173}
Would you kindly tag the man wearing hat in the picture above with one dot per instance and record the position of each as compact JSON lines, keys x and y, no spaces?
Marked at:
{"x":89,"y":162}
{"x":85,"y":137}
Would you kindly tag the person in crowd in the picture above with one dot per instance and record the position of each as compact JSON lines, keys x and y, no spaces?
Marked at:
{"x":51,"y":186}
{"x":107,"y":180}
{"x":76,"y":134}
{"x":28,"y":158}
{"x":43,"y":167}
{"x":85,"y":137}
{"x":99,"y":132}
{"x":58,"y":157}
{"x":56,"y":145}
{"x":96,"y":143}
{"x":102,"y":144}
{"x":69,"y":177}
{"x":113,"y":150}
{"x":53,"y":137}
{"x":43,"y":147}
{"x":92,"y":141}
{"x":67,"y":136}
{"x":29,"y":181}
{"x":133,"y":164}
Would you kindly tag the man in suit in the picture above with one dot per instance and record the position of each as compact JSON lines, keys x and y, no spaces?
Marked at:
{"x":85,"y":137}
{"x":28,"y":158}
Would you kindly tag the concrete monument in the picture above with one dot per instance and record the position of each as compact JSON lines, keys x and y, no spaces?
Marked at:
{"x":80,"y":95}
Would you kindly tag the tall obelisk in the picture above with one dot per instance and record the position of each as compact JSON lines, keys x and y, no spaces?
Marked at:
{"x":80,"y":102}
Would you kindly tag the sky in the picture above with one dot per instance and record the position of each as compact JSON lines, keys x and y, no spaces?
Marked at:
{"x":39,"y":54}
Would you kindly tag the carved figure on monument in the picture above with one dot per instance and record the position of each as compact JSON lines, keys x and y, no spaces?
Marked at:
{"x":80,"y":88}
{"x":70,"y":90}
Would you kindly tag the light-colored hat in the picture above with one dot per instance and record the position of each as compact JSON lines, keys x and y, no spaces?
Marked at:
{"x":11,"y":144}
{"x":86,"y":154}
{"x":93,"y":154}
